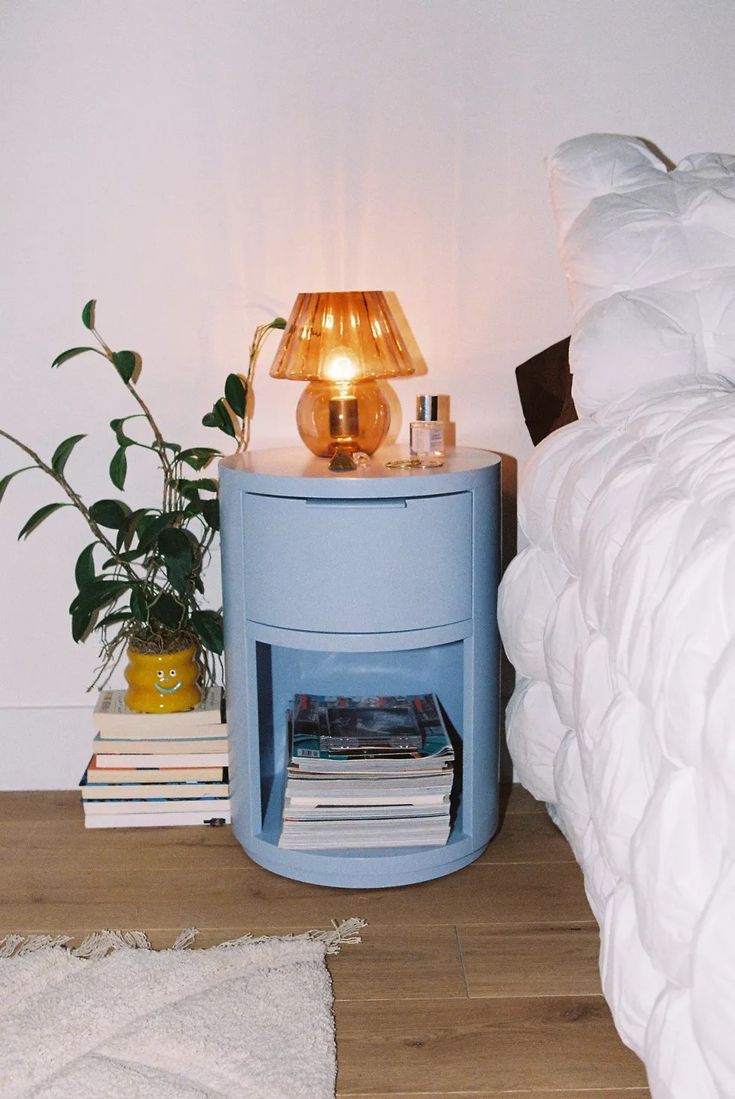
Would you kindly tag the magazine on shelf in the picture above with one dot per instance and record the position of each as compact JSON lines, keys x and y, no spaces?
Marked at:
{"x":419,"y":742}
{"x":367,"y":772}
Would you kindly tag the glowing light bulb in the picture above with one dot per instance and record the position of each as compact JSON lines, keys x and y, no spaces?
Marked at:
{"x":341,"y":366}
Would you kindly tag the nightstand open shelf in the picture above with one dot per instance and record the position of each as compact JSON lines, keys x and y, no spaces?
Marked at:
{"x":381,"y":582}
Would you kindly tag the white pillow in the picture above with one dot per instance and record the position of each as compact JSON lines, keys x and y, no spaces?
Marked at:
{"x":649,"y":255}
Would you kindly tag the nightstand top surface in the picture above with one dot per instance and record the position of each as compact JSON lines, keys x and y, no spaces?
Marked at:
{"x":300,"y":462}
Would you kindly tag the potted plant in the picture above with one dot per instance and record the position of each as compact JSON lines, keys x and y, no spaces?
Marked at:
{"x":140,"y":581}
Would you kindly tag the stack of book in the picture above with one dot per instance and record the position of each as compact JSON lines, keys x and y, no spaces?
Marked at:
{"x":155,"y":770}
{"x":367,"y":772}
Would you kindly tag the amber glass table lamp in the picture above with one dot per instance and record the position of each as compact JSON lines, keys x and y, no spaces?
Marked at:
{"x":341,"y":343}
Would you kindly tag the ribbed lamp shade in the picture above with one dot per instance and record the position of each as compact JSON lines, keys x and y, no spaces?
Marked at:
{"x":341,"y":343}
{"x":342,"y":336}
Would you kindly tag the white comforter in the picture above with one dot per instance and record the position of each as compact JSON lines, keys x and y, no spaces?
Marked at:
{"x":619,"y":618}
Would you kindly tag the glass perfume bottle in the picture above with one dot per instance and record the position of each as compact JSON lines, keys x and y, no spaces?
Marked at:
{"x":427,"y":431}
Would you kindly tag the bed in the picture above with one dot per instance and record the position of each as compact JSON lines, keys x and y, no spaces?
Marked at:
{"x":619,"y":613}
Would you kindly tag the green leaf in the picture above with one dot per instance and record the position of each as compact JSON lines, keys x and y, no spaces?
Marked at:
{"x":173,"y":447}
{"x":112,"y":514}
{"x":61,"y":455}
{"x":91,"y":599}
{"x":236,"y":392}
{"x":278,"y":322}
{"x":194,"y":507}
{"x":150,"y":527}
{"x":210,"y":511}
{"x":126,"y":363}
{"x":98,"y":593}
{"x":5,"y":481}
{"x":84,"y":568}
{"x":166,"y":610}
{"x":117,"y":427}
{"x":138,"y":605}
{"x":119,"y":468}
{"x":38,"y":517}
{"x":208,"y":627}
{"x":113,"y":619}
{"x":71,"y":353}
{"x":81,"y":624}
{"x":190,"y":489}
{"x":198,"y":457}
{"x":135,"y":519}
{"x":219,"y":418}
{"x":128,"y":555}
{"x":176,"y":550}
{"x":88,"y":314}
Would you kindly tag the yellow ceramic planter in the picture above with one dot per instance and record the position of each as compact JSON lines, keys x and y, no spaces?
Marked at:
{"x":162,"y":683}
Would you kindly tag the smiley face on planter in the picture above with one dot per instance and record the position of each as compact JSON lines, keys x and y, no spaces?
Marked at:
{"x":167,"y":684}
{"x":162,"y":682}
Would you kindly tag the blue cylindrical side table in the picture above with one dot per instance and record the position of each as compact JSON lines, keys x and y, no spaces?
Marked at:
{"x":383,"y":581}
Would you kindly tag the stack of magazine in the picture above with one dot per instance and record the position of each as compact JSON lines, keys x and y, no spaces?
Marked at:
{"x":367,"y":772}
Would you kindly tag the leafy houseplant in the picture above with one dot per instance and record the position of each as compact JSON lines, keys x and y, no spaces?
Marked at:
{"x":141,"y":580}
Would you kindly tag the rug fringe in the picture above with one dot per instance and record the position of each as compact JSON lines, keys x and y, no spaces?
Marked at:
{"x":340,"y":934}
{"x":101,"y":943}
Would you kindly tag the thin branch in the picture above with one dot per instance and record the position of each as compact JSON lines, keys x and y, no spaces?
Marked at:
{"x":76,"y":501}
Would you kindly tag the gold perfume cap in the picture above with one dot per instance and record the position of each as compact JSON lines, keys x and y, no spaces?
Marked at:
{"x":432,"y":406}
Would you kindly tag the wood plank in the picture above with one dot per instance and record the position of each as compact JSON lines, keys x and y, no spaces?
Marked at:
{"x":523,"y":837}
{"x":536,"y":1044}
{"x":588,"y":1093}
{"x":69,"y":844}
{"x":410,"y":962}
{"x":531,"y":962}
{"x":50,"y":805}
{"x":527,"y":837}
{"x":515,"y":799}
{"x":49,"y":898}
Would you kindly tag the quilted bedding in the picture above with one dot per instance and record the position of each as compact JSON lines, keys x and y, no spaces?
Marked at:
{"x":619,"y":615}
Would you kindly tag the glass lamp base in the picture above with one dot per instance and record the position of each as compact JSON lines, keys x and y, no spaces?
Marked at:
{"x":347,"y":416}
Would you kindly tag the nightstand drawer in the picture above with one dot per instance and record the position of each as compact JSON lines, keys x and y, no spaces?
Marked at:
{"x":358,"y":565}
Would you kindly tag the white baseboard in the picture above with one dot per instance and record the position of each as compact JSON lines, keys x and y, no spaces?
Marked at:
{"x":44,"y":748}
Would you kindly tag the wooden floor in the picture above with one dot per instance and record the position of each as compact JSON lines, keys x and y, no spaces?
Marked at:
{"x":482,"y":984}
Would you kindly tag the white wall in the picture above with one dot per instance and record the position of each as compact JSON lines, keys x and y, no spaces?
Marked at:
{"x":194,"y":164}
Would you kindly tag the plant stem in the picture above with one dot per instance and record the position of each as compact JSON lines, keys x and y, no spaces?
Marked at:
{"x":259,"y":336}
{"x":76,"y":501}
{"x":157,"y":435}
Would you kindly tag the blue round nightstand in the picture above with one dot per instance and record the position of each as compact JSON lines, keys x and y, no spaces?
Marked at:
{"x":382,"y":581}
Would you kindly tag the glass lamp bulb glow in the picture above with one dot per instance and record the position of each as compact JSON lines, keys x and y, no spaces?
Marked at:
{"x":341,"y":366}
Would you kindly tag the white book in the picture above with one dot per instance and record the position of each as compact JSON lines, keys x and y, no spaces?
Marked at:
{"x":149,"y":746}
{"x":147,"y":772}
{"x":108,"y":791}
{"x":209,"y":806}
{"x":140,"y":759}
{"x":111,"y":715}
{"x":156,"y":820}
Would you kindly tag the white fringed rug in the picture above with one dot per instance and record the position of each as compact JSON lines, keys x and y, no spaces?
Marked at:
{"x":114,"y":1019}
